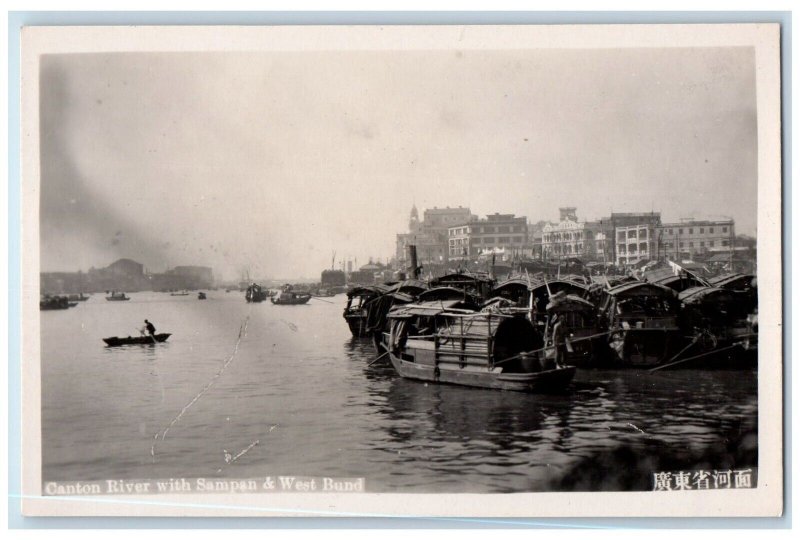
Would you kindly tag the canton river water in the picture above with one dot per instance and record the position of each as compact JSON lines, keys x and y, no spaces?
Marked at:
{"x":299,"y":384}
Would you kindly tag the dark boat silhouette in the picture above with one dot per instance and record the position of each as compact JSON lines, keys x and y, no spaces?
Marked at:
{"x":136,"y":340}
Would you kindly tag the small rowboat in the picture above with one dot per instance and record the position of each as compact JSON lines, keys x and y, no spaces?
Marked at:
{"x":290,"y":299}
{"x":137,"y":340}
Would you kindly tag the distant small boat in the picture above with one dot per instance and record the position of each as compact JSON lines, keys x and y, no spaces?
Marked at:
{"x":201,"y":296}
{"x":117,"y":297}
{"x":255,"y":293}
{"x":49,"y":303}
{"x":290,"y":298}
{"x":182,"y":293}
{"x":137,"y":340}
{"x":78,"y":298}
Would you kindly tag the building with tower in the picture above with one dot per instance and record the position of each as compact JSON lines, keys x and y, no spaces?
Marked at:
{"x":431,"y":234}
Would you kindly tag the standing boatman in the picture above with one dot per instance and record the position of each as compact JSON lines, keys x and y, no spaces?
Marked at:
{"x":560,"y":340}
{"x":149,"y":327}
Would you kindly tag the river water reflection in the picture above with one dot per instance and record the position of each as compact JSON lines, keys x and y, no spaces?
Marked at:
{"x":300,"y":385}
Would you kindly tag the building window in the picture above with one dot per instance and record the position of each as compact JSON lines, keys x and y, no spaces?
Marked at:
{"x":702,"y":244}
{"x":670,"y":231}
{"x":724,"y":242}
{"x":691,"y":244}
{"x":724,"y":229}
{"x":702,"y":230}
{"x":680,"y":231}
{"x":621,"y":237}
{"x":711,"y":230}
{"x":691,"y":231}
{"x":632,"y":234}
{"x":622,"y":248}
{"x":681,"y":244}
{"x":711,"y":243}
{"x":643,"y":247}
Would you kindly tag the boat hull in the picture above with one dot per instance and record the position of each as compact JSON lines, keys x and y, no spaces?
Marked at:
{"x":539,"y":382}
{"x":357,"y":325}
{"x":118,"y":299}
{"x":138,"y":340}
{"x":52,"y":307}
{"x":290,"y":302}
{"x":637,"y":348}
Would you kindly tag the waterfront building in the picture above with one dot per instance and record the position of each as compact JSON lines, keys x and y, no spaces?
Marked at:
{"x":122,"y":274}
{"x":503,"y":234}
{"x":608,"y":225}
{"x":126,"y":275}
{"x":431,"y":234}
{"x":195,"y":277}
{"x":564,"y":239}
{"x":689,"y":239}
{"x":635,"y":243}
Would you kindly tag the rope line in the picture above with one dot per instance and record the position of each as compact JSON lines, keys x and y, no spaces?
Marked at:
{"x":715,"y":351}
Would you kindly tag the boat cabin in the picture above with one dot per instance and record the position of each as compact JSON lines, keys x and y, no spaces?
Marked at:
{"x":399,"y":294}
{"x":585,"y":339}
{"x":474,"y":284}
{"x":677,"y":282}
{"x":644,"y":320}
{"x":448,"y":332}
{"x":356,"y":312}
{"x":714,"y":315}
{"x":743,"y":284}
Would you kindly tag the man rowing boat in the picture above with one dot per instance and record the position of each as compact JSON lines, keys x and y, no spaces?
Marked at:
{"x":148,"y":326}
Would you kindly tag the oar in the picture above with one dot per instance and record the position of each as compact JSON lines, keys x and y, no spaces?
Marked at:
{"x":151,"y":335}
{"x":378,"y":358}
{"x":321,"y":300}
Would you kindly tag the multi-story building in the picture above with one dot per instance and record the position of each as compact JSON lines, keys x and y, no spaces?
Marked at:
{"x":635,"y":243}
{"x":125,"y":268}
{"x":608,"y":225}
{"x":691,"y":238}
{"x":122,"y":274}
{"x":535,"y":238}
{"x":563,"y":239}
{"x":431,"y":234}
{"x":598,"y":242}
{"x":498,"y":233}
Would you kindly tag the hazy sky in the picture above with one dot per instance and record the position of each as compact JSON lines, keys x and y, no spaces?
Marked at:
{"x":273,"y":160}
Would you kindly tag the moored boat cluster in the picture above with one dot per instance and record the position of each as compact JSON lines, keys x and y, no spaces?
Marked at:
{"x":531,"y":332}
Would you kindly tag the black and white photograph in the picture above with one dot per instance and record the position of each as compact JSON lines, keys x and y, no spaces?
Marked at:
{"x":306,"y":269}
